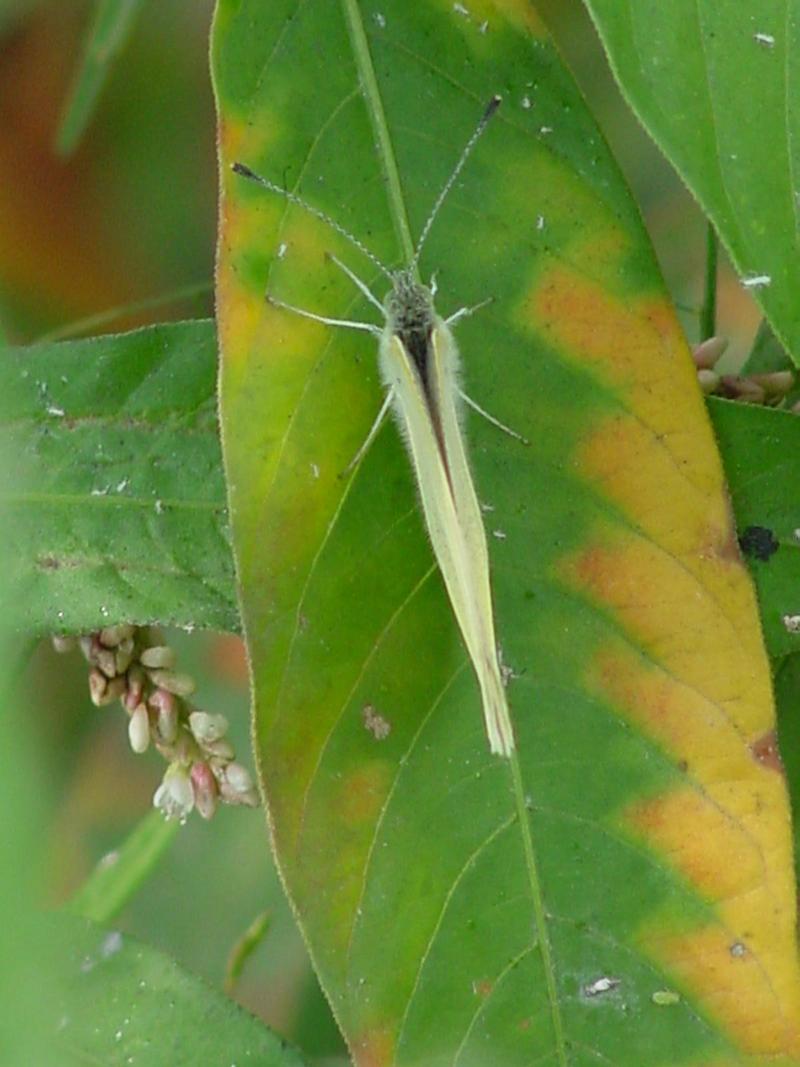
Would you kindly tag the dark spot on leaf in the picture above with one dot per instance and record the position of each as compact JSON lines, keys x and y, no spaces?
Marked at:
{"x":765,"y":750}
{"x":48,"y":563}
{"x":758,"y":542}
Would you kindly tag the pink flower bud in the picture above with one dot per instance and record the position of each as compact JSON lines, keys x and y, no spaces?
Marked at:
{"x":135,"y":680}
{"x":708,"y":352}
{"x":205,"y":789}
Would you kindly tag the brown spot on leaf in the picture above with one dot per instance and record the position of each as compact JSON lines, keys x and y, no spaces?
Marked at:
{"x":766,"y":751}
{"x":482,"y":987}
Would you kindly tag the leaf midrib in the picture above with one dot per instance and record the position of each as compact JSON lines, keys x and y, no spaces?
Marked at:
{"x":377,"y":115}
{"x":399,"y":214}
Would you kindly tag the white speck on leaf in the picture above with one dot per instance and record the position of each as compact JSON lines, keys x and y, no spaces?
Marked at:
{"x":112,"y":944}
{"x":123,"y":485}
{"x":756,"y":281}
{"x":159,"y":506}
{"x":57,"y":413}
{"x":601,"y":985}
{"x":526,"y":103}
{"x":379,"y":727}
{"x":540,"y":222}
{"x":765,"y":38}
{"x":282,"y":249}
{"x":380,"y":20}
{"x":315,"y":470}
{"x":791,"y":623}
{"x":460,"y":10}
{"x":545,"y":129}
{"x":499,"y":534}
{"x":484,"y":26}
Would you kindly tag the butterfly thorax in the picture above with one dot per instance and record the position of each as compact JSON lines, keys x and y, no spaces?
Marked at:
{"x":411,"y":316}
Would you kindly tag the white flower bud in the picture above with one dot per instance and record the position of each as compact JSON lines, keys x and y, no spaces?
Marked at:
{"x":207,"y":728}
{"x":167,"y":721}
{"x":103,"y":691}
{"x":157,"y":657}
{"x":182,"y":685}
{"x":223,"y":750}
{"x":123,"y":655}
{"x":106,"y":661}
{"x":238,"y":778}
{"x":111,"y":636}
{"x":174,"y":798}
{"x":139,"y":729}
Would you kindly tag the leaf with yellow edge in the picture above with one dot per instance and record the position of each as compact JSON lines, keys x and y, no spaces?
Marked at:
{"x":621,"y":892}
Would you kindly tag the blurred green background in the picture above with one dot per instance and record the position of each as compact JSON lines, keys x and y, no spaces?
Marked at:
{"x":129,"y":216}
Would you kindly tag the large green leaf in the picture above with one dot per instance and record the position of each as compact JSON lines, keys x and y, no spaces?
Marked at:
{"x":460,"y":908}
{"x":120,"y":1002}
{"x":115,"y":498}
{"x":717,"y":85}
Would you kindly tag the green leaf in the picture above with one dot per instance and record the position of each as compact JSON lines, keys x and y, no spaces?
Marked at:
{"x":461,"y":908}
{"x":761,"y":452}
{"x":787,"y":694}
{"x":118,"y":876}
{"x":715,"y":82}
{"x":767,"y":353}
{"x":115,"y":498}
{"x":108,"y":34}
{"x":121,"y":1002}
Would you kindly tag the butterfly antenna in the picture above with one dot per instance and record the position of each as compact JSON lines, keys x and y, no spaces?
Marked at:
{"x":491,"y":107}
{"x":293,"y":198}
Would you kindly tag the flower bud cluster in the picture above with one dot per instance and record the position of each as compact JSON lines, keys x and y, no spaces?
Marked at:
{"x":769,"y":389}
{"x":134,"y":665}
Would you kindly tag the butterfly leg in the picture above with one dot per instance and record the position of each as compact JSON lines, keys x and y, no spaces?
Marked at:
{"x":490,"y":418}
{"x":373,"y":433}
{"x":368,"y":326}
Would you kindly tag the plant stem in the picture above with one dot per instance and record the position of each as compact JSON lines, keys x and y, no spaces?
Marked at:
{"x":708,"y":312}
